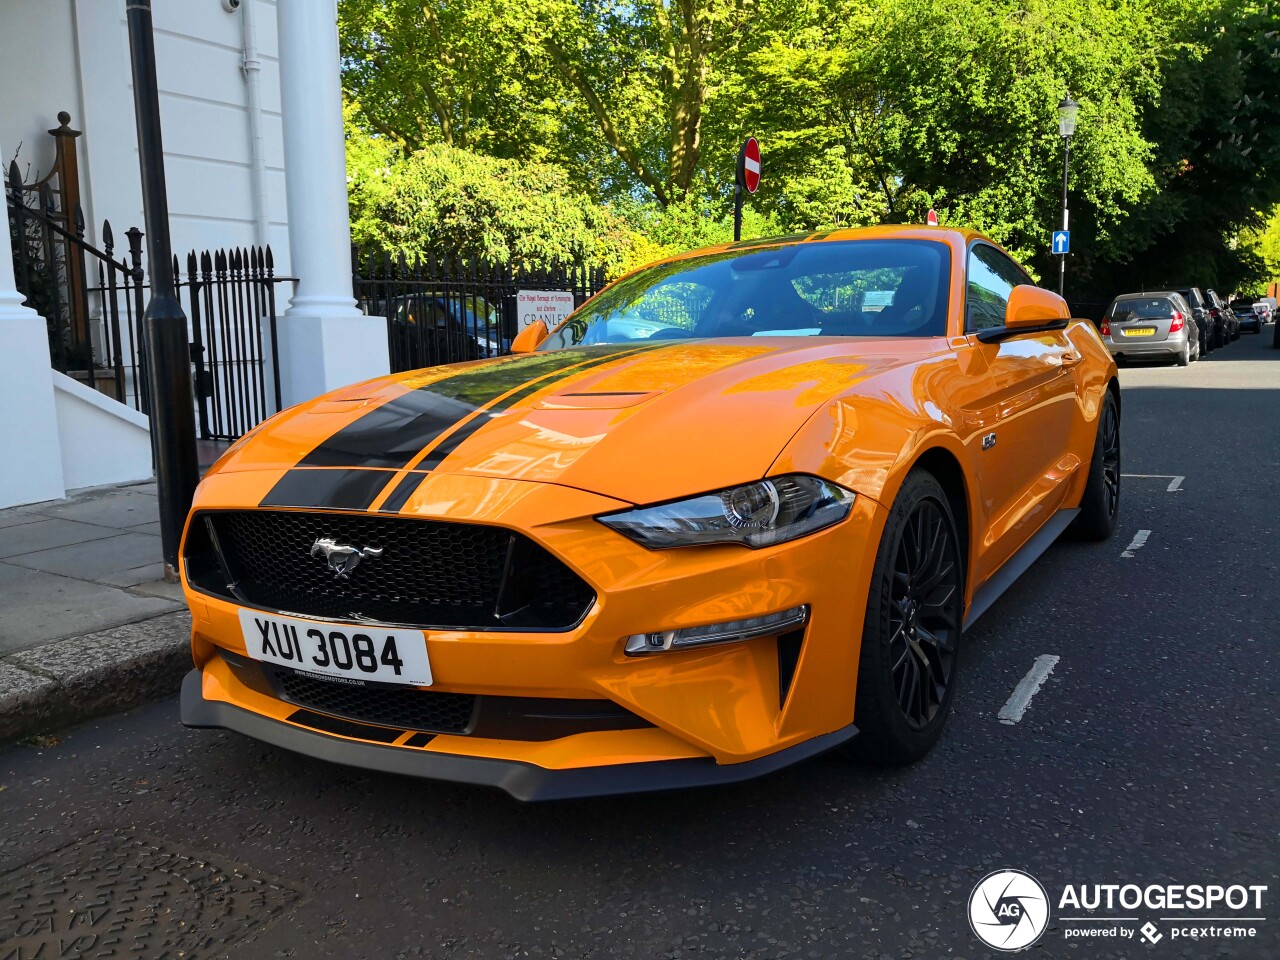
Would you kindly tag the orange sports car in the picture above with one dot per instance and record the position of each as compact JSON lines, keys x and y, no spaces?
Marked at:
{"x":735,"y":511}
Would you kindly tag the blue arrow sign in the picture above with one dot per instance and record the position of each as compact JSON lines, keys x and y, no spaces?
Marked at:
{"x":1062,"y":241}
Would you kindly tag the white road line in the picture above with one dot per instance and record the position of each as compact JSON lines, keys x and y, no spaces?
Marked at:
{"x":1139,"y":539}
{"x":1027,"y":688}
{"x":1175,"y":481}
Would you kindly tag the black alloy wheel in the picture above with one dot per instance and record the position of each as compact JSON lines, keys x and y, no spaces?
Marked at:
{"x":924,"y":617}
{"x":912,"y":632}
{"x":1100,"y":504}
{"x":1110,"y":436}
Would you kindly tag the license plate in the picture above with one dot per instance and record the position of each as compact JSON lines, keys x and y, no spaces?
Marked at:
{"x":1139,"y":332}
{"x":345,"y":650}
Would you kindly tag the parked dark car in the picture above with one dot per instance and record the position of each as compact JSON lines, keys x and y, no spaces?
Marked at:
{"x":1219,"y":310}
{"x":1209,"y":332}
{"x":1151,"y":326}
{"x":1247,"y":315}
{"x":427,"y":329}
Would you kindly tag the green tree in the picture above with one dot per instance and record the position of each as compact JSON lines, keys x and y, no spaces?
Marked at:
{"x":1216,"y":146}
{"x":447,"y":201}
{"x":422,"y":71}
{"x":867,"y":112}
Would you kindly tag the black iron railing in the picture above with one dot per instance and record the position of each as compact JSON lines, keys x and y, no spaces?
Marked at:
{"x":231,"y":303}
{"x":91,"y":300}
{"x":444,"y":310}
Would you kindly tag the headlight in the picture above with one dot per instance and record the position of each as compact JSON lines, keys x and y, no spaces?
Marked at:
{"x":754,"y":514}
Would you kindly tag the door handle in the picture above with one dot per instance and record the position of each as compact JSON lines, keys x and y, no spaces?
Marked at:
{"x":1070,"y":360}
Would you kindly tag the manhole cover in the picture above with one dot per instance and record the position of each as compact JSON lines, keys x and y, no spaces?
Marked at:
{"x":120,"y":895}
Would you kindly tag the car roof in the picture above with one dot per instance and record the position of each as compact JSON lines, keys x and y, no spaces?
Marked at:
{"x":1149,"y":293}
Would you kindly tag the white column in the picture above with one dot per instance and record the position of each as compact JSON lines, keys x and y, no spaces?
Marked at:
{"x":325,"y":342}
{"x":30,"y":456}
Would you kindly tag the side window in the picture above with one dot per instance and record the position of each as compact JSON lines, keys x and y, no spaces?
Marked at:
{"x":991,"y":276}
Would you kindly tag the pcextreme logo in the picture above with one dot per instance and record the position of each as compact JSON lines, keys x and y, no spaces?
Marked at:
{"x":1009,"y":911}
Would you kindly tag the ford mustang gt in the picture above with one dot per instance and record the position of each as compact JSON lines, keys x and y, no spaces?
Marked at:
{"x":737,"y":510}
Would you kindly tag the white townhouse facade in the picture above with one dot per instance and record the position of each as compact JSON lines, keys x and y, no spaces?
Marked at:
{"x":251,"y":112}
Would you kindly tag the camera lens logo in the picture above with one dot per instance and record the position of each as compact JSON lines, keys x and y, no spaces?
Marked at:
{"x":1008,"y":910}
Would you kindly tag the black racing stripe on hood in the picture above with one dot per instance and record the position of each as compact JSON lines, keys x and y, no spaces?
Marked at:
{"x":333,"y":488}
{"x":392,"y":434}
{"x":412,"y":480}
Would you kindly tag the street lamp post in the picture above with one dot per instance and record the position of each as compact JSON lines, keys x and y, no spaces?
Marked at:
{"x":164,"y":325}
{"x":1067,"y":111}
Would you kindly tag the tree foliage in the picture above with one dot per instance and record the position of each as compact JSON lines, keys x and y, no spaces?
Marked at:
{"x":867,"y":112}
{"x":443,"y":201}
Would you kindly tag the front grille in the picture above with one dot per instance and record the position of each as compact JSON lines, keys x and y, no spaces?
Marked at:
{"x":406,"y":708}
{"x":430,"y":573}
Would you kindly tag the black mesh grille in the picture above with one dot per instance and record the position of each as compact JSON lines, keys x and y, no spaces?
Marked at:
{"x":404,"y":708}
{"x":430,"y":573}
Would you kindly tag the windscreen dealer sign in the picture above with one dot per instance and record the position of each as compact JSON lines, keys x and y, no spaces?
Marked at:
{"x":549,"y":306}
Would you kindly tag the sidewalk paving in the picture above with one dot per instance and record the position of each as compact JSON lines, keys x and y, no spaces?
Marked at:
{"x":88,"y":624}
{"x":81,"y":565}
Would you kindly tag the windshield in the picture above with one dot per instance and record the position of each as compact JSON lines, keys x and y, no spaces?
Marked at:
{"x":851,"y":288}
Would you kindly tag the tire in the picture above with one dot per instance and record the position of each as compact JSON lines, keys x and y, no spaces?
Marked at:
{"x":911,"y":637}
{"x":1184,"y":357}
{"x":1275,"y":335}
{"x":1100,"y":504}
{"x":1219,"y":336}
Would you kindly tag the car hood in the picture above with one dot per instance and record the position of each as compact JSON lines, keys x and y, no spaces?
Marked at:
{"x":636,"y":422}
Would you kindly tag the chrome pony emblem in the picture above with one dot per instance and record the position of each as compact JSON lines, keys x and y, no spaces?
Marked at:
{"x":340,"y":557}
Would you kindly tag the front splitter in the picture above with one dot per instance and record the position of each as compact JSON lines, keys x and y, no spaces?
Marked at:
{"x":524,"y":781}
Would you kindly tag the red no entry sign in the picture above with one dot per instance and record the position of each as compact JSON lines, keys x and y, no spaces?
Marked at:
{"x":749,"y":165}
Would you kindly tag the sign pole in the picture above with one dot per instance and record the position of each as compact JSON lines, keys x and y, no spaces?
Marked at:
{"x":164,"y":326}
{"x":737,"y":211}
{"x":1066,"y":166}
{"x":747,"y":177}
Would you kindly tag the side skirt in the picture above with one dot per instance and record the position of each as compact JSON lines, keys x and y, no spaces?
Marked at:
{"x":1018,"y":564}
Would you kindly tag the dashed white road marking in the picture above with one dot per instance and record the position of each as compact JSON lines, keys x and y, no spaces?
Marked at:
{"x":1175,"y":481}
{"x":1139,"y":539}
{"x":1027,"y":688}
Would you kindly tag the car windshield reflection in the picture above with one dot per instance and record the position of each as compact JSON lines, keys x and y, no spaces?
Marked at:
{"x":854,"y":288}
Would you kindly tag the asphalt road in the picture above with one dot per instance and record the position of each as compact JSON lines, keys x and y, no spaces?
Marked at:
{"x":1149,"y":756}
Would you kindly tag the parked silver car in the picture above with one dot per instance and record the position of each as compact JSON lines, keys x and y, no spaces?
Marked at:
{"x":1151,"y":326}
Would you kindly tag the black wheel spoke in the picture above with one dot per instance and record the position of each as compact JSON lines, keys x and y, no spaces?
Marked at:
{"x":924,"y":616}
{"x":1110,"y":436}
{"x":938,"y":576}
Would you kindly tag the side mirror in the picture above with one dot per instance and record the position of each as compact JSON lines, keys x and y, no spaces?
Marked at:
{"x":527,"y":340}
{"x":1034,"y":307}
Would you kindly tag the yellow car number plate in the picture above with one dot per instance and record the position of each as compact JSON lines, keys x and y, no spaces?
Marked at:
{"x":1139,"y":331}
